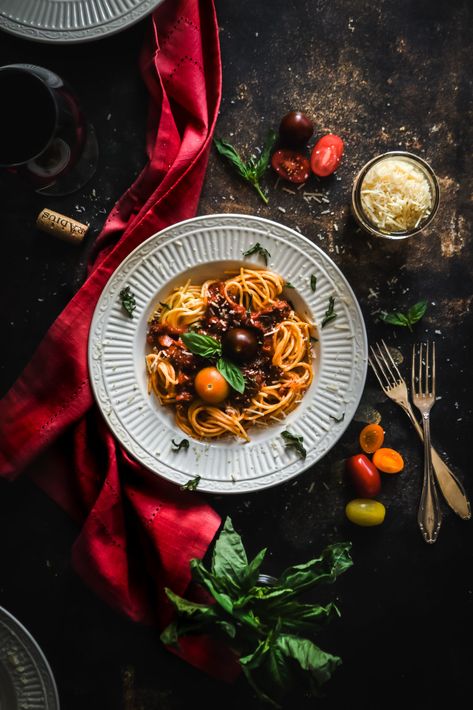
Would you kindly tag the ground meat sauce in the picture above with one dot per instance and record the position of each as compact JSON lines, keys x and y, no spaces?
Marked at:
{"x":222,"y":314}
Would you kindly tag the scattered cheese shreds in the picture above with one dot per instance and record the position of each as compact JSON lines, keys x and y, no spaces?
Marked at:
{"x":396,"y":195}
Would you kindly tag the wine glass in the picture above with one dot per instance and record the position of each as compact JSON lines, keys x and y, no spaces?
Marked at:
{"x":44,"y":135}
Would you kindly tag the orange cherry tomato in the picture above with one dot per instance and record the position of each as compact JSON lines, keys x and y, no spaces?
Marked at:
{"x":371,"y":438}
{"x":211,"y":386}
{"x":388,"y":460}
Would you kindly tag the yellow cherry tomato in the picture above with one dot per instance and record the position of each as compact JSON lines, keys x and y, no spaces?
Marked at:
{"x":211,"y":386}
{"x":371,"y":438}
{"x":365,"y":512}
{"x":388,"y":461}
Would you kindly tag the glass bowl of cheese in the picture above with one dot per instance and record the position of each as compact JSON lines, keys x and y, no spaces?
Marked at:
{"x":395,"y":195}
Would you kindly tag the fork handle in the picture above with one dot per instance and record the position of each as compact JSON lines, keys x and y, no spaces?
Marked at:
{"x":451,"y":488}
{"x":429,"y":516}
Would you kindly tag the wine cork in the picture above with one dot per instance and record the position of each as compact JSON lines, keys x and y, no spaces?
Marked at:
{"x":61,"y":226}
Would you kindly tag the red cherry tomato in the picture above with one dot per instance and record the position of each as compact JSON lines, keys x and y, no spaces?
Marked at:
{"x":291,"y":165}
{"x":326,"y":155}
{"x":364,"y":476}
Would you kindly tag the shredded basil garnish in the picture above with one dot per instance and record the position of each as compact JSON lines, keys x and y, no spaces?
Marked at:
{"x":329,"y":313}
{"x":295,"y":442}
{"x":128,"y":301}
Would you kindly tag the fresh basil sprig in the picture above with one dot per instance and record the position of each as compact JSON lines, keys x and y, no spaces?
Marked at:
{"x":208,"y":347}
{"x":253,"y":169}
{"x":329,"y":313}
{"x":192,"y":484}
{"x":414,"y":314}
{"x":294,"y":441}
{"x":258,"y":249}
{"x":268,"y":627}
{"x":127,"y":298}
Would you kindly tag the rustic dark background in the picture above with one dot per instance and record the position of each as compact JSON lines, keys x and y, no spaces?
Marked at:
{"x":385,"y":75}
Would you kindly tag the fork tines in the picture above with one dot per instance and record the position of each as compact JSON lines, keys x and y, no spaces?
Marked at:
{"x":385,"y":368}
{"x":423,"y":369}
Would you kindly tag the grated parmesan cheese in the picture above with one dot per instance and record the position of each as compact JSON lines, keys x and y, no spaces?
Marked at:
{"x":396,"y":195}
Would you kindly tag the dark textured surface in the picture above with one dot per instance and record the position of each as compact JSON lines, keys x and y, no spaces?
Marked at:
{"x":392,"y":74}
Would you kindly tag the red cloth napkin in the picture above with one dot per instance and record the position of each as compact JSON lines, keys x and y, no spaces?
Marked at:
{"x":138,"y":532}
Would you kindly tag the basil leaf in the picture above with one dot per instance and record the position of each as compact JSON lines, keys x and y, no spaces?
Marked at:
{"x":416,"y":312}
{"x":395,"y":318}
{"x":258,"y":249}
{"x":310,"y":657}
{"x":127,"y":298}
{"x":263,"y":160}
{"x":229,"y":557}
{"x":313,"y":282}
{"x":184,"y":444}
{"x":250,"y":576}
{"x":329,"y":313}
{"x":226,"y":150}
{"x":294,"y":441}
{"x":301,"y":617}
{"x":203,"y":345}
{"x":232,"y":374}
{"x":334,"y":560}
{"x":192,"y":484}
{"x":212,"y":584}
{"x":187,"y":608}
{"x":170,"y":635}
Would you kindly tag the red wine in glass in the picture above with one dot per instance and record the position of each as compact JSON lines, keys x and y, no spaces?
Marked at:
{"x":44,"y":136}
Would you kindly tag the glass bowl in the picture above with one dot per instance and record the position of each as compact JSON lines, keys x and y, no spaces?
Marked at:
{"x":357,"y":205}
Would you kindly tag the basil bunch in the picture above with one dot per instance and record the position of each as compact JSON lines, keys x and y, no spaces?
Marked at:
{"x":208,"y":347}
{"x":263,"y":623}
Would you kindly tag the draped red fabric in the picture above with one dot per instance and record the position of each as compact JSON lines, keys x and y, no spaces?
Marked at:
{"x":138,"y":532}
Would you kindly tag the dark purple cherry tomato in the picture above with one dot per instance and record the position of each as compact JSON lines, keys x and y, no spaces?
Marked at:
{"x":295,"y":129}
{"x":363,"y":475}
{"x":240,"y":344}
{"x":291,"y":165}
{"x":326,"y":155}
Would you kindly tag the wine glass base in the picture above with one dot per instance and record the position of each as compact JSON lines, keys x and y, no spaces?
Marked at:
{"x":80,"y":174}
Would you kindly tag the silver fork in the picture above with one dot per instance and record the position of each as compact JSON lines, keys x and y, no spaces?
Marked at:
{"x":429,"y":516}
{"x":395,"y":388}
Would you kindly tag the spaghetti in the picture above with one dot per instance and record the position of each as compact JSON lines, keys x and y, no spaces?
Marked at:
{"x":276,"y":376}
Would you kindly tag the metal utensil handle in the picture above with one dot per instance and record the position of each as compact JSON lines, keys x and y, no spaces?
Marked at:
{"x":452,"y":490}
{"x":429,"y":516}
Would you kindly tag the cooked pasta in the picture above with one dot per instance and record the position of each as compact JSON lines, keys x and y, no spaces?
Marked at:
{"x":277,"y":369}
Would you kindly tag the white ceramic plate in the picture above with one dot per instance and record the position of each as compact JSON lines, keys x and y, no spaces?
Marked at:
{"x":67,"y":21}
{"x":206,"y":247}
{"x":26,"y":680}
